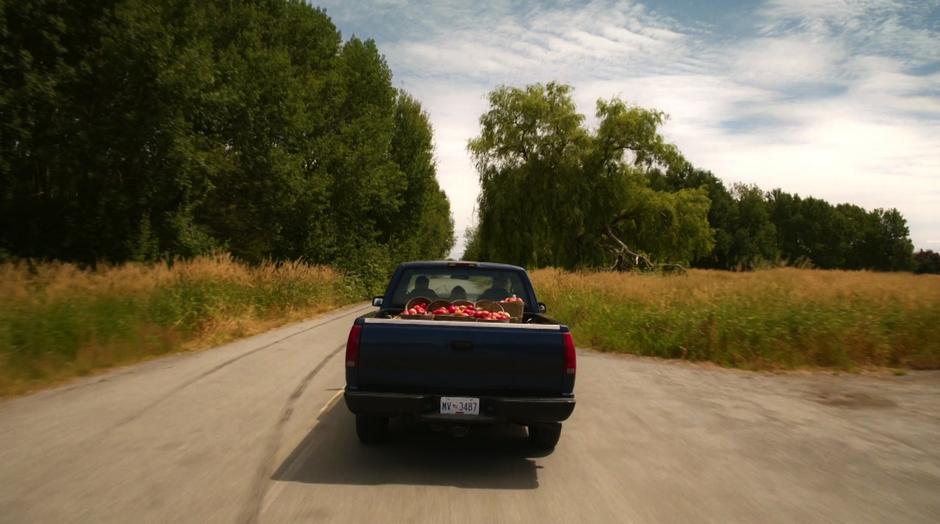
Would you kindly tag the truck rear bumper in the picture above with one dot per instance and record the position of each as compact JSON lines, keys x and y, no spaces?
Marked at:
{"x":521,"y":410}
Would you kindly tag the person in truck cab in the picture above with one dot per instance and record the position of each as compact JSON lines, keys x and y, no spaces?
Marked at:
{"x":421,"y":289}
{"x":498,"y":291}
{"x":458,"y":293}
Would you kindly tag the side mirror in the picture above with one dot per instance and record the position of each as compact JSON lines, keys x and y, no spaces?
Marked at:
{"x":542,"y":307}
{"x":377,"y":301}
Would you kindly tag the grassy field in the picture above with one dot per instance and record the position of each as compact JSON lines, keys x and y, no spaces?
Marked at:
{"x":771,"y":319}
{"x":57,"y":321}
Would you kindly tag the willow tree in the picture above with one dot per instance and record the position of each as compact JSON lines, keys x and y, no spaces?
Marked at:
{"x":556,"y":193}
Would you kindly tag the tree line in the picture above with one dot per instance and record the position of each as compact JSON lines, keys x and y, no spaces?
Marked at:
{"x":556,"y":193}
{"x":752,"y":227}
{"x":926,"y":261}
{"x":151,"y":129}
{"x":148,"y":130}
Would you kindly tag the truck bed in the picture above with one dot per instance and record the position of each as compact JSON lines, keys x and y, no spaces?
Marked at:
{"x":454,"y":357}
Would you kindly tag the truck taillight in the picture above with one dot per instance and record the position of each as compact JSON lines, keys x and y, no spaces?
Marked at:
{"x":352,"y":346}
{"x":571,"y":361}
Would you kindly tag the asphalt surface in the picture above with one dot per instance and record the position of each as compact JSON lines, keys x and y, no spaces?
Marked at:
{"x":255,"y":431}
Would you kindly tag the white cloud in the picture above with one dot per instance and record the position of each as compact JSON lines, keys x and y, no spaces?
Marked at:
{"x":462,"y":56}
{"x":817,"y":98}
{"x":455,"y":112}
{"x":894,"y":27}
{"x":778,"y":61}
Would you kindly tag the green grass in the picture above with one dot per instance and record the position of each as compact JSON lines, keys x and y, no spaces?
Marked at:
{"x":57,"y":321}
{"x":780,"y":318}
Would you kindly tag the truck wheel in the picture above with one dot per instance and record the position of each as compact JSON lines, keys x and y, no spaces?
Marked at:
{"x":370,"y":429}
{"x":544,"y":436}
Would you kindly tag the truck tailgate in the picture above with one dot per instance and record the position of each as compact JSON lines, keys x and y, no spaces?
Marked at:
{"x":455,"y":357}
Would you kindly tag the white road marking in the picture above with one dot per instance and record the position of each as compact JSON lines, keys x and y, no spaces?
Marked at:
{"x":329,"y":404}
{"x":275,"y":491}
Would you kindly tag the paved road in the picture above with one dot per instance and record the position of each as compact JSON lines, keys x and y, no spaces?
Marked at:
{"x":253,"y":432}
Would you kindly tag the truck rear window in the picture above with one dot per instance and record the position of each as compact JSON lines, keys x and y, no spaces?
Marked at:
{"x":458,"y":284}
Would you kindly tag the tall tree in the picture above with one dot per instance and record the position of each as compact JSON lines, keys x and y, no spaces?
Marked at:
{"x":888,"y":241}
{"x":141,"y":129}
{"x":424,"y":228}
{"x":755,"y":237}
{"x":926,"y":261}
{"x":553,"y":192}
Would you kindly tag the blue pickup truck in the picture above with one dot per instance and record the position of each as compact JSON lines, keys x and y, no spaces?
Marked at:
{"x":456,"y":374}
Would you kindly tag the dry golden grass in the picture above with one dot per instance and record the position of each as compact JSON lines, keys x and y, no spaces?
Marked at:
{"x":58,"y":321}
{"x":764,"y":319}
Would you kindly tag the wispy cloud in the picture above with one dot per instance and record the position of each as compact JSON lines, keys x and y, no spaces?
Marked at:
{"x":834,"y":98}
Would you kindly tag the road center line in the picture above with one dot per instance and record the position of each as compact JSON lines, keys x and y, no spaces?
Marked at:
{"x":275,"y":490}
{"x":264,"y":482}
{"x":329,"y":403}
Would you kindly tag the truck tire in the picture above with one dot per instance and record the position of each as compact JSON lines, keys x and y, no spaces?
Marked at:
{"x":371,"y":429}
{"x":544,"y":436}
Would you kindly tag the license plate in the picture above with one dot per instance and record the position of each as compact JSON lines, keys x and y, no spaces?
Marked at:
{"x":460,"y":406}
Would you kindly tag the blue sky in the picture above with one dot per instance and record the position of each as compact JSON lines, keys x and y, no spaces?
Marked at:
{"x":837,"y":99}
